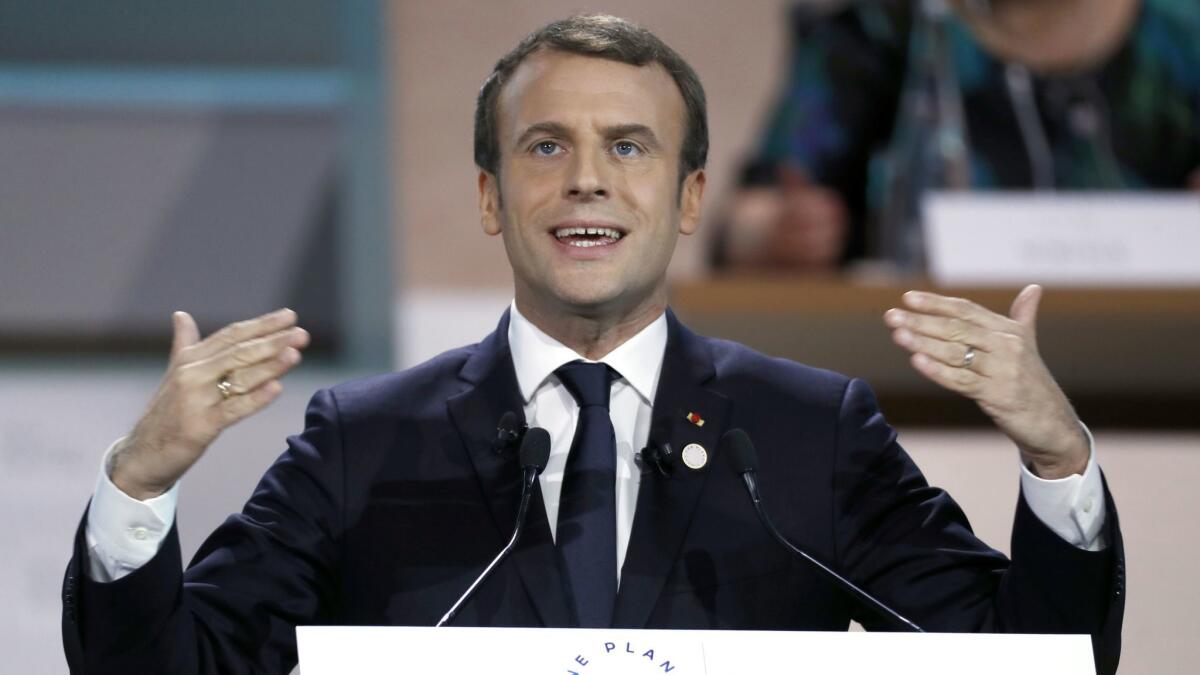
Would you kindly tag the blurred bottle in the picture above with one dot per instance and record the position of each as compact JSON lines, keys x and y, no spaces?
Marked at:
{"x":929,"y":147}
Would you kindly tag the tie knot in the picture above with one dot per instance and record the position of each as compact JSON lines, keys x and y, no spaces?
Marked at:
{"x":588,"y":382}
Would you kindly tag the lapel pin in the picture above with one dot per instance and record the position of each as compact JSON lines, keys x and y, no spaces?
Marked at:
{"x":695,"y":419}
{"x":695,"y":456}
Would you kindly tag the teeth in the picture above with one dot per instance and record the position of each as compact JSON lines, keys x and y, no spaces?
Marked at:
{"x":564,"y":232}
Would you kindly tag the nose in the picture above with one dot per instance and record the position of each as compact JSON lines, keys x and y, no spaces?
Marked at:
{"x":588,"y":178}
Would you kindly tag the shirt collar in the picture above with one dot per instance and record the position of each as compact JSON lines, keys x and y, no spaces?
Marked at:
{"x":536,"y":355}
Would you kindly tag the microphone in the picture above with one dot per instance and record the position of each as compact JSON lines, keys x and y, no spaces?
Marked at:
{"x":508,"y":433}
{"x":736,"y":445}
{"x":661,"y":456}
{"x":533,"y":455}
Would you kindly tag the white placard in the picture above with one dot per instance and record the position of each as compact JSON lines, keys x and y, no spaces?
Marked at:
{"x":344,"y":650}
{"x":1066,"y":239}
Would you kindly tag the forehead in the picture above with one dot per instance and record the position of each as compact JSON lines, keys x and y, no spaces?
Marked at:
{"x":574,"y":89}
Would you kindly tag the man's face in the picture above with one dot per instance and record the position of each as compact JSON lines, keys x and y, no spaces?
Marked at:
{"x":588,"y":199}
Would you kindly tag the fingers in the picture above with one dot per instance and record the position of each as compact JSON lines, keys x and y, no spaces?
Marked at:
{"x":245,"y":356}
{"x":946,"y":329}
{"x":237,"y":408}
{"x":246,"y":380}
{"x":242,"y":331}
{"x":185,"y":334}
{"x":956,"y":308}
{"x":963,"y":381}
{"x":952,"y":354}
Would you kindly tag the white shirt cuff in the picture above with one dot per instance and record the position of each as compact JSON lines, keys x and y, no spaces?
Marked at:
{"x":1073,"y":507}
{"x":124,"y":533}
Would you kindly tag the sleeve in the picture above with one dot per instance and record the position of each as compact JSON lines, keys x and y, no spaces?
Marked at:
{"x":911,"y":545}
{"x":261,"y":573}
{"x":1072,"y":507}
{"x":124,"y":533}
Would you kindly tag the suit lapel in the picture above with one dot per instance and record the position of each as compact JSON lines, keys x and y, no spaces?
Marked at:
{"x":475,"y":413}
{"x":665,"y":505}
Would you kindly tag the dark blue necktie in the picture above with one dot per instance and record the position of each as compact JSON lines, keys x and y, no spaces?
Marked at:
{"x":587,"y":509}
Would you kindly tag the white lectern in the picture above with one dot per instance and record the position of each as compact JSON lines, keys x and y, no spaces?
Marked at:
{"x":337,"y":650}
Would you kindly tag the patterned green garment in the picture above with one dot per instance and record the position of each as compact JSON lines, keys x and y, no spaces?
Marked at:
{"x":1133,"y":123}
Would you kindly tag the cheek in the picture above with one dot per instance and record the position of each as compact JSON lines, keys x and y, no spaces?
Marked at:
{"x":652,"y":193}
{"x":525,"y":196}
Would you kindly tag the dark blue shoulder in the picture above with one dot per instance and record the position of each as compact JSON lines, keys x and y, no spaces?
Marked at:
{"x":743,"y":372}
{"x":409,"y":390}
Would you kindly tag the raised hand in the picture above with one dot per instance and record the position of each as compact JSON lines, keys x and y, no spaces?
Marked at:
{"x":209,"y":385}
{"x":993,"y":360}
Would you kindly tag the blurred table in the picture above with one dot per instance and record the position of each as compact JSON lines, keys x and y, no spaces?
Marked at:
{"x":1127,"y":357}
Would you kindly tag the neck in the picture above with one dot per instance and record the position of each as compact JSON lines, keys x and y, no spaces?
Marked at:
{"x":592,"y":334}
{"x":1052,"y":36}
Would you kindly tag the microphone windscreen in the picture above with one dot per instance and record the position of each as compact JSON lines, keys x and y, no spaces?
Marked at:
{"x":535,"y":449}
{"x":736,"y":445}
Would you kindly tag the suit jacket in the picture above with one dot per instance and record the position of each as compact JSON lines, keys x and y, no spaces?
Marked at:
{"x":392,"y":500}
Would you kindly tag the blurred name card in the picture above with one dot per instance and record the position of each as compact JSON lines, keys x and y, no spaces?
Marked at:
{"x":346,"y":650}
{"x":1067,"y":239}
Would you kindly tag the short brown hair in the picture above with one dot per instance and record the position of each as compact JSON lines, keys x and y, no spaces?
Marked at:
{"x":606,"y":37}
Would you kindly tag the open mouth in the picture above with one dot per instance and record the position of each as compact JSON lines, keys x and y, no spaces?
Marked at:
{"x":585,"y":237}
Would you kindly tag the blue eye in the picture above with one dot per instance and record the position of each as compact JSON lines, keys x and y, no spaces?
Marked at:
{"x":546,"y":148}
{"x":626,"y":149}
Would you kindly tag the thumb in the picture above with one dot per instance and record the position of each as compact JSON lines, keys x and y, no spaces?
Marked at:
{"x":1025,"y":307}
{"x":186,"y":332}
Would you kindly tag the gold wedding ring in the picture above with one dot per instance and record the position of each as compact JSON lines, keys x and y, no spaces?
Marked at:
{"x":225,"y":386}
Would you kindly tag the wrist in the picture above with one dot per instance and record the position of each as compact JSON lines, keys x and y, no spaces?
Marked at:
{"x":1051,"y":470}
{"x":1068,"y":459}
{"x":125,"y":472}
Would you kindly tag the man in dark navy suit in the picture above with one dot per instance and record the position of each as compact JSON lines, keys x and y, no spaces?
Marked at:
{"x":591,"y":140}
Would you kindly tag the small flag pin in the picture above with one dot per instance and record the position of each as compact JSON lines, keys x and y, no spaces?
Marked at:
{"x":695,"y":419}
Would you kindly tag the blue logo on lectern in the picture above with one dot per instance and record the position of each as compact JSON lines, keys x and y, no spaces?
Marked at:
{"x":621,"y":657}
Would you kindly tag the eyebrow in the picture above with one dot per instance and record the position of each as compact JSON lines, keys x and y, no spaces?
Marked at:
{"x":547,"y":128}
{"x":640,"y":131}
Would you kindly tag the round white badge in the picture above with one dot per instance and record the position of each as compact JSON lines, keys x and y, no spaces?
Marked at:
{"x":695,"y":456}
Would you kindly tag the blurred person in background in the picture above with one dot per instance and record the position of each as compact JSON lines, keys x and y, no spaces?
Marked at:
{"x":1007,"y":94}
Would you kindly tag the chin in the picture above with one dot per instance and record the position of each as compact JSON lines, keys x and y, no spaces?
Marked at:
{"x":594,"y":302}
{"x":588,"y":303}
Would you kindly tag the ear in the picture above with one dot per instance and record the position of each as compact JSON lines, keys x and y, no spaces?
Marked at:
{"x":690,"y":196}
{"x":489,"y":203}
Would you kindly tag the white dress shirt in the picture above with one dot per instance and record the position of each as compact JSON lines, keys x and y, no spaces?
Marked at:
{"x":123,"y":533}
{"x":550,"y":406}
